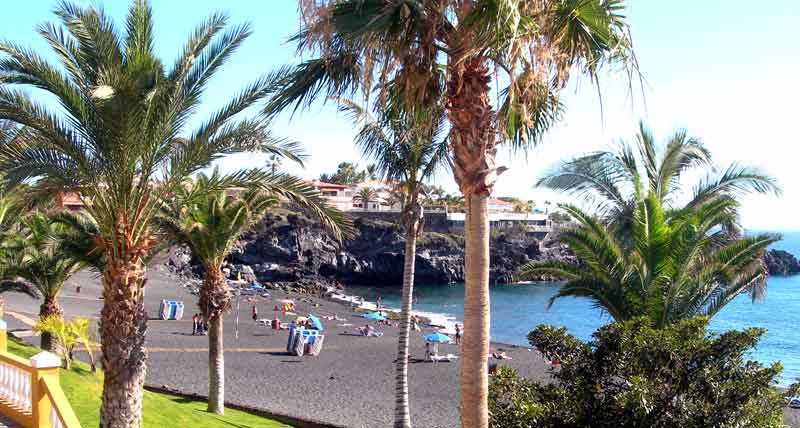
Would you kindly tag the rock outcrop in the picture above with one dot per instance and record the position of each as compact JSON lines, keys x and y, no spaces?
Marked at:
{"x":781,"y":262}
{"x":291,"y":251}
{"x":290,"y":248}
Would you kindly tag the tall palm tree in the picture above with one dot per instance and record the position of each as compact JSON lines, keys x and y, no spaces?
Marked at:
{"x":428,"y":51}
{"x":210,"y":222}
{"x":364,"y":196}
{"x":611,"y":180}
{"x":120,"y":137}
{"x":673,"y":268}
{"x":410,"y":153}
{"x":35,"y":260}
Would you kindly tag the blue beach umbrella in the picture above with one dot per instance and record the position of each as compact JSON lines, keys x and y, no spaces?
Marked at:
{"x":315,"y":322}
{"x":374,"y":316}
{"x":437,"y":338}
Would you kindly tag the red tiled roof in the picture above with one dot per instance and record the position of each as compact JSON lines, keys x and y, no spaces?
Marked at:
{"x":319,"y":184}
{"x":493,"y":201}
{"x":69,"y":198}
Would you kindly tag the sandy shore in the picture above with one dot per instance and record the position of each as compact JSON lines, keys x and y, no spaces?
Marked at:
{"x":350,"y":384}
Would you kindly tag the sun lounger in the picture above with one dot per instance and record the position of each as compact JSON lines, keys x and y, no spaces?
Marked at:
{"x":443,"y":358}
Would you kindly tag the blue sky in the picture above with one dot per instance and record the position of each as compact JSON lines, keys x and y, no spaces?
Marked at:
{"x":727,"y":70}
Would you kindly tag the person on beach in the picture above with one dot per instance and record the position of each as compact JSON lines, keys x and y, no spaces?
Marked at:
{"x":379,"y":303}
{"x":255,"y":312}
{"x":194,"y":325}
{"x":458,"y":334}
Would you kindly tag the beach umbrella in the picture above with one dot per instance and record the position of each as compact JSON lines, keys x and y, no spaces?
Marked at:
{"x":374,"y":316}
{"x":437,"y":338}
{"x":285,"y":301}
{"x":315,"y":322}
{"x":301,"y":319}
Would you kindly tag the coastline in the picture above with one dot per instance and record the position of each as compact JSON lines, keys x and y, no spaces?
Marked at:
{"x":261,"y":375}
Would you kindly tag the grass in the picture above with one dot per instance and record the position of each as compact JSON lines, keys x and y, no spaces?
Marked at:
{"x":83,"y":390}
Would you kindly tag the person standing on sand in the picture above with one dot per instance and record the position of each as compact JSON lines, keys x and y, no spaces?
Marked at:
{"x":458,"y":334}
{"x":255,"y":312}
{"x":194,"y":325}
{"x":379,"y":303}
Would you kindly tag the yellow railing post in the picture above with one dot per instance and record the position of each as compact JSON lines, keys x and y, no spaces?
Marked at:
{"x":45,"y":365}
{"x":3,"y":337}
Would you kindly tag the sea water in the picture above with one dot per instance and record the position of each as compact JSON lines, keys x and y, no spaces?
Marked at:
{"x":517,"y":309}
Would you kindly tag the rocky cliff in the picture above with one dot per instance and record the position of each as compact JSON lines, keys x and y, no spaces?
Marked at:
{"x":781,"y":262}
{"x":288,"y":247}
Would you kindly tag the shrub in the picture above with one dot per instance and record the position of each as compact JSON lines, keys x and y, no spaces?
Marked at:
{"x":632,"y":375}
{"x":68,"y":334}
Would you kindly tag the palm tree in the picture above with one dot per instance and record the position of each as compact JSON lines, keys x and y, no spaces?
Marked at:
{"x":210,"y":222}
{"x":611,"y":180}
{"x":423,"y":52}
{"x":410,"y":153}
{"x":35,"y":261}
{"x":372,"y":171}
{"x":647,"y":254}
{"x":120,"y":138}
{"x":523,"y":206}
{"x":672,"y":268}
{"x":364,"y":196}
{"x":274,"y":163}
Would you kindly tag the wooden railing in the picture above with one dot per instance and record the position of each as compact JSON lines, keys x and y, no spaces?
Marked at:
{"x":30,"y":393}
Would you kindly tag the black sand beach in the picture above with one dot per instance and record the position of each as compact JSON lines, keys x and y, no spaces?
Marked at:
{"x":350,"y":384}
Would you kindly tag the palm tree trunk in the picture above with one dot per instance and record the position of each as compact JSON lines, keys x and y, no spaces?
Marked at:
{"x":214,"y":300}
{"x":50,"y":308}
{"x":473,"y":140}
{"x":474,"y":367}
{"x":216,"y":367}
{"x":402,"y":416}
{"x":123,"y":324}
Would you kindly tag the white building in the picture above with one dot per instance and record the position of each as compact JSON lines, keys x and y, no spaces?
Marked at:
{"x":500,"y":206}
{"x":338,"y":195}
{"x":507,"y":220}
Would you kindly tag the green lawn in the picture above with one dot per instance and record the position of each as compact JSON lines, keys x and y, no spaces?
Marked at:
{"x":83,"y":389}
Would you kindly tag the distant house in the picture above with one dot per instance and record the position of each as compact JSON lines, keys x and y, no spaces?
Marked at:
{"x":500,"y":206}
{"x":338,"y":196}
{"x":69,"y":201}
{"x":528,"y":222}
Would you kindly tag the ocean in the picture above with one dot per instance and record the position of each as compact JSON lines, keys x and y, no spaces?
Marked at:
{"x":517,"y":309}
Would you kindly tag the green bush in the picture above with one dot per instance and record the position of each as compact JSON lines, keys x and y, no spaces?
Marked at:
{"x":632,"y":375}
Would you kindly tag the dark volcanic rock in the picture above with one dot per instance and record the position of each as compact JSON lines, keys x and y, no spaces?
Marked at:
{"x":290,"y":248}
{"x":781,"y":262}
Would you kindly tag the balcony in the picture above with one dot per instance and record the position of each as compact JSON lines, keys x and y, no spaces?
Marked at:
{"x":30,"y":393}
